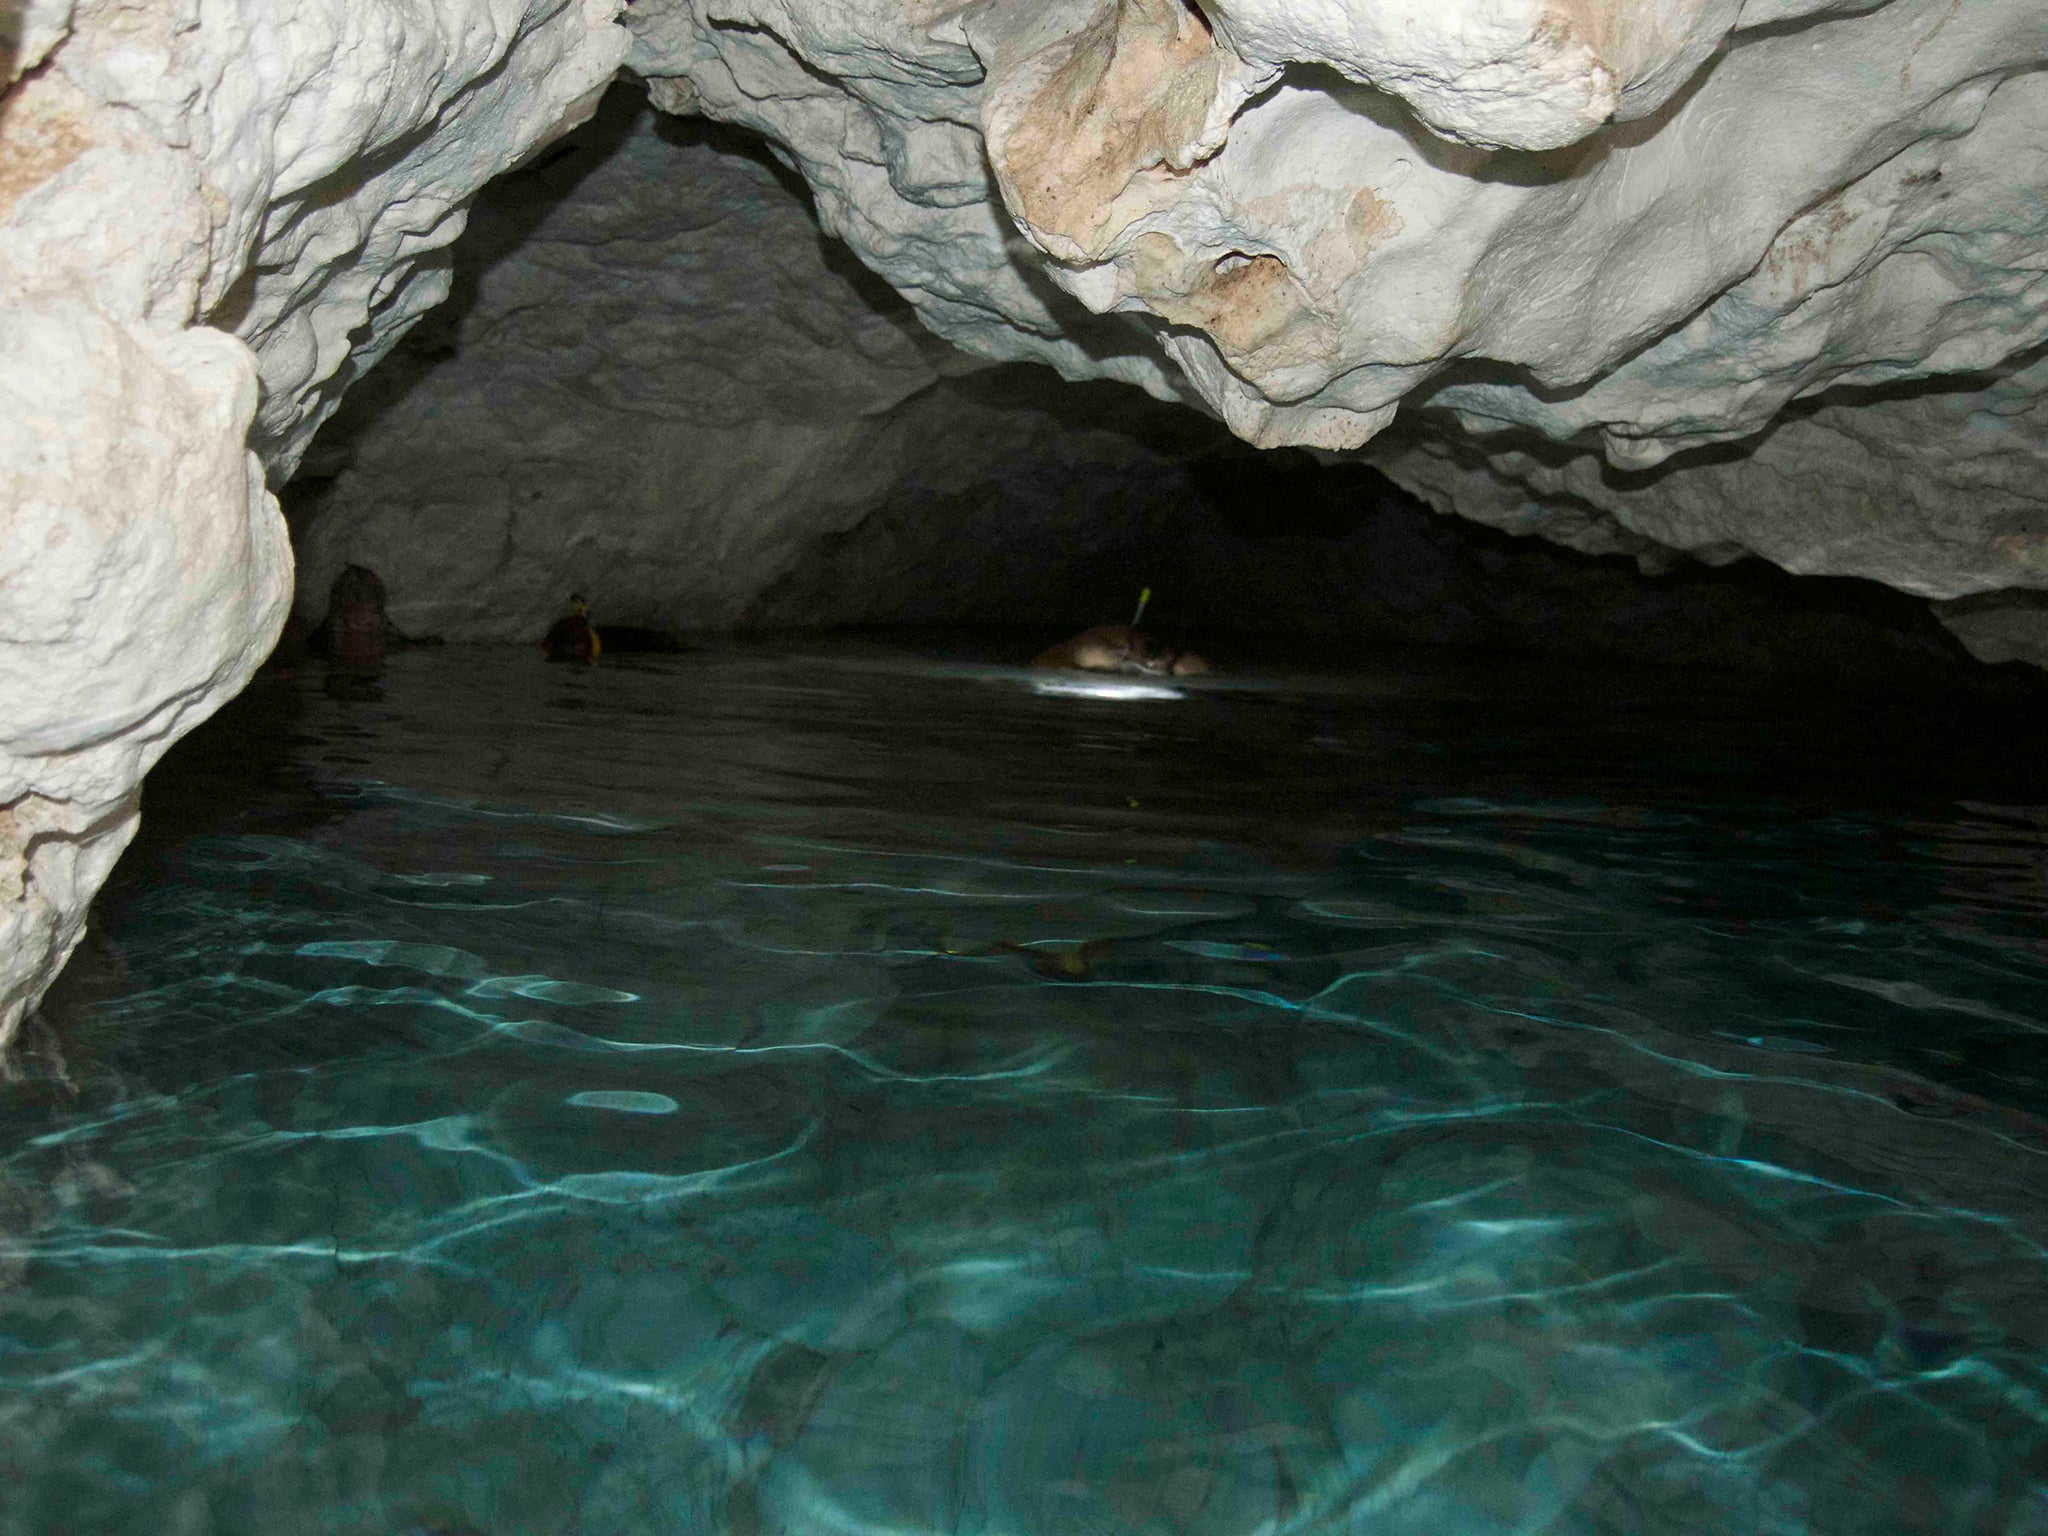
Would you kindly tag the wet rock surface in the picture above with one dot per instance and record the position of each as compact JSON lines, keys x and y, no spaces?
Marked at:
{"x":1577,"y":255}
{"x":208,"y":224}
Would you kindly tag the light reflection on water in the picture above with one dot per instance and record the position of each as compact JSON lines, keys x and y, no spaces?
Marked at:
{"x":735,"y":1094}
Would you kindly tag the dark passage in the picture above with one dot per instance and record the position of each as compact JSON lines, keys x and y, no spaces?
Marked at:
{"x":655,"y":382}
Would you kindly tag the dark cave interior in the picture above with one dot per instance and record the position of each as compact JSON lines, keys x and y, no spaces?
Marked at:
{"x":1262,"y":557}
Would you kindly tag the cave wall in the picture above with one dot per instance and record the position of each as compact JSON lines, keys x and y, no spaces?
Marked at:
{"x":1580,"y":250}
{"x":658,"y":385}
{"x":1774,"y":287}
{"x":211,"y":216}
{"x":655,"y":383}
{"x":1274,"y":559}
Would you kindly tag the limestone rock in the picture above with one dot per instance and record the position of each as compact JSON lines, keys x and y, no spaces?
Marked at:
{"x":656,"y":385}
{"x":1585,"y":244}
{"x":29,"y":29}
{"x":1939,"y":492}
{"x":143,"y":575}
{"x":169,"y":175}
{"x":2000,"y":626}
{"x":877,"y":103}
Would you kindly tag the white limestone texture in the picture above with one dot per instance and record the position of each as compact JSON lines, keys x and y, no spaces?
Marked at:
{"x":208,"y":210}
{"x":1582,"y":242}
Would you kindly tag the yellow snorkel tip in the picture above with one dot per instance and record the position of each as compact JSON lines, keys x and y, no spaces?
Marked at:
{"x":1144,"y":597}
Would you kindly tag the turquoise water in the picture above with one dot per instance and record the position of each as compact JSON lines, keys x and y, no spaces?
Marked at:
{"x":742,"y":1093}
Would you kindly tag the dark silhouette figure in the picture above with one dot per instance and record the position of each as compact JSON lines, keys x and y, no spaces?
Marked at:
{"x":573,"y":637}
{"x":356,"y":631}
{"x":357,"y":635}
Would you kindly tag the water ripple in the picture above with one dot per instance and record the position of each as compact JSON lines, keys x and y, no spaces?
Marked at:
{"x":839,"y":1110}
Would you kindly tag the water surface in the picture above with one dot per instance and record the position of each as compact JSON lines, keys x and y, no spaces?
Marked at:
{"x":745,"y":1092}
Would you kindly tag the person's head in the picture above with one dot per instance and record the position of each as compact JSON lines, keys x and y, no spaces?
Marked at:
{"x":357,"y":585}
{"x":579,"y":604}
{"x":1144,"y":654}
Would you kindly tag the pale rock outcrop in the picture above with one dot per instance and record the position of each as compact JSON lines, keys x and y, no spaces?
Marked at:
{"x":1934,"y":491}
{"x":141,"y":578}
{"x":204,"y":208}
{"x":1576,"y":238}
{"x":877,"y":102}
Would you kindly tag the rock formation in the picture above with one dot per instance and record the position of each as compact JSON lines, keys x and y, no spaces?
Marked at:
{"x":1653,"y":277}
{"x":651,"y":387}
{"x":1583,"y":245}
{"x":210,"y":219}
{"x":656,"y":384}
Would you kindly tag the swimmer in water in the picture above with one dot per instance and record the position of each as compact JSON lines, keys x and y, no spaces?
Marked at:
{"x":356,"y":632}
{"x":1120,"y":648}
{"x":573,"y":637}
